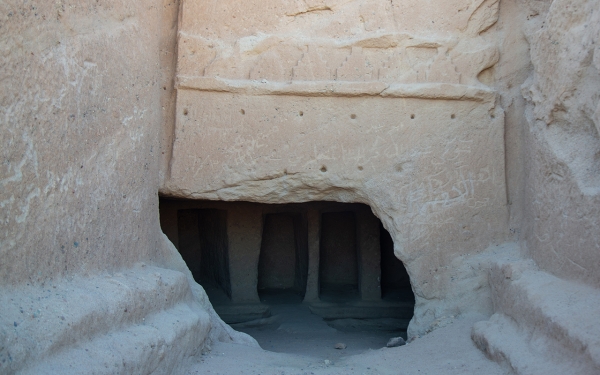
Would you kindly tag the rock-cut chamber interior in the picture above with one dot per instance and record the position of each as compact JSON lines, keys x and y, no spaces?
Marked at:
{"x":259,"y":263}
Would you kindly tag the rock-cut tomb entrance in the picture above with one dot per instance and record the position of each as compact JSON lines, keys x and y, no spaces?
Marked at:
{"x":297,"y":277}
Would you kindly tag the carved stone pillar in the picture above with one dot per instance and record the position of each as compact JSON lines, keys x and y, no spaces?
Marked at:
{"x":244,"y":231}
{"x":314,"y":231}
{"x":369,"y":255}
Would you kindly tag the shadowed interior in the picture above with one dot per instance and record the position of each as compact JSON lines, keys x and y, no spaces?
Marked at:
{"x":338,"y":270}
{"x":309,"y":269}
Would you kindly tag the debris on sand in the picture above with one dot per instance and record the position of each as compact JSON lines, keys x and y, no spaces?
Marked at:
{"x":396,"y":341}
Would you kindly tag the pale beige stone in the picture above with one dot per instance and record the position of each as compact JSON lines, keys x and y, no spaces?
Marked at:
{"x":463,"y":124}
{"x":376,"y":127}
{"x":563,"y":94}
{"x":81,"y":99}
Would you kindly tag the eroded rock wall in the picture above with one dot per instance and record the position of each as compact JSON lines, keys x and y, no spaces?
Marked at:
{"x":382,"y":103}
{"x":83,"y":263}
{"x":80,"y":114}
{"x":435,"y":114}
{"x":550,"y":89}
{"x":563,"y":145}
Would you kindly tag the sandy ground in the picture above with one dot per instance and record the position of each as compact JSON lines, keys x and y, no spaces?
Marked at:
{"x":299,"y":343}
{"x":294,"y":329}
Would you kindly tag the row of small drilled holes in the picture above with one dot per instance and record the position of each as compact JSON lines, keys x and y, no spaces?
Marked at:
{"x":352,"y":116}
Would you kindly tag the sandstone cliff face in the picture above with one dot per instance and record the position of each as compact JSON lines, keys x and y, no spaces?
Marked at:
{"x":563,"y":179}
{"x":462,"y":123}
{"x":80,"y":122}
{"x":363,"y":101}
{"x":550,"y":87}
{"x":80,"y":94}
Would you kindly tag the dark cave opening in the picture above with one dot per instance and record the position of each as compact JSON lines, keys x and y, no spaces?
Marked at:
{"x":338,"y":260}
{"x":266,"y":267}
{"x":203,"y":245}
{"x":283,"y":260}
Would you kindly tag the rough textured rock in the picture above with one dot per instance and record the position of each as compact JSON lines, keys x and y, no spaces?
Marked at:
{"x":365,"y":105}
{"x":463,"y":124}
{"x":563,"y":186}
{"x":396,"y":341}
{"x":542,"y":324}
{"x":81,"y":116}
{"x":70,"y":203}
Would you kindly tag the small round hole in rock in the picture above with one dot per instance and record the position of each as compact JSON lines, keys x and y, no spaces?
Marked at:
{"x":360,"y":168}
{"x":453,"y":116}
{"x":185,"y":112}
{"x":323,"y":169}
{"x":242,"y":112}
{"x":412,"y":117}
{"x":353,"y":116}
{"x":300,"y":113}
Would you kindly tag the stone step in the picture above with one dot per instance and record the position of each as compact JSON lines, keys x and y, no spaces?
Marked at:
{"x":524,"y":352}
{"x":554,"y":320}
{"x":363,"y":310}
{"x":38,"y":322}
{"x":239,"y":313}
{"x":161,"y":344}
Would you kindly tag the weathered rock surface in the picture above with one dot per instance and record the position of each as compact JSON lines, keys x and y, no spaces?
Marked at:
{"x":80,"y":110}
{"x":395,"y":341}
{"x":101,"y":315}
{"x":463,"y":124}
{"x":542,"y":324}
{"x":563,"y":183}
{"x":272,"y":110}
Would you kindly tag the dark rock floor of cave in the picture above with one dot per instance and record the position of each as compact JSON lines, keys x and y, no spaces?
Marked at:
{"x":292,"y":328}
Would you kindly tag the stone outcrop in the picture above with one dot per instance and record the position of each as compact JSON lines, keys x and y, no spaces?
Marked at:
{"x":563,"y":183}
{"x":80,"y":110}
{"x":272,"y":110}
{"x":542,"y":323}
{"x":463,"y":124}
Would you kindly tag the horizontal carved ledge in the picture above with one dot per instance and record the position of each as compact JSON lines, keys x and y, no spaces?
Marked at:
{"x":443,"y":91}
